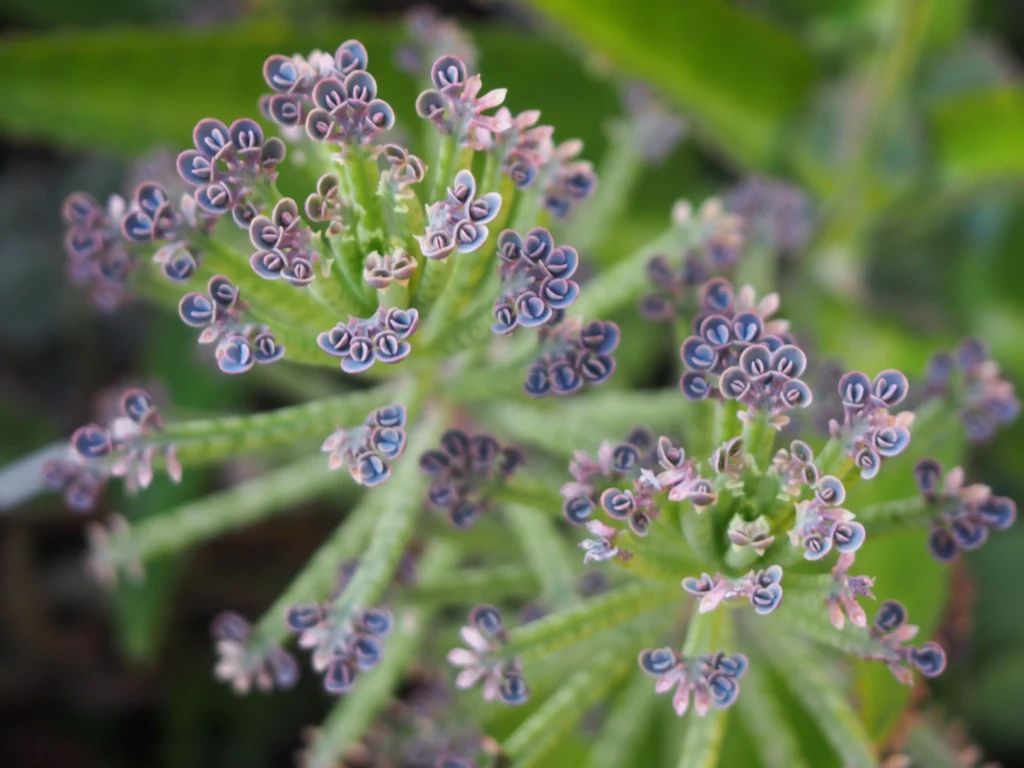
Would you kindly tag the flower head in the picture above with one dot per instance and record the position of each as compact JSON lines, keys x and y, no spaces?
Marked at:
{"x":126,"y":447}
{"x":986,"y":401}
{"x":465,"y":472}
{"x":369,"y":449}
{"x":711,"y":680}
{"x":536,"y":284}
{"x":244,"y":666}
{"x":963,"y":514}
{"x":382,"y":338}
{"x":480,"y":661}
{"x":891,"y":629}
{"x":869,"y":430}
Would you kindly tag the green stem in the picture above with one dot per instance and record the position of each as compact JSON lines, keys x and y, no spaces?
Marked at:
{"x":623,"y":730}
{"x":544,"y":550}
{"x":358,"y":166}
{"x":470,"y":586}
{"x":759,"y":438}
{"x":271,"y":493}
{"x":624,"y":282}
{"x":444,"y":168}
{"x":399,"y":502}
{"x":553,"y":719}
{"x":354,"y":714}
{"x":704,"y":736}
{"x":320,"y":574}
{"x":620,"y":168}
{"x":207,"y":440}
{"x":891,"y":516}
{"x":587,"y":619}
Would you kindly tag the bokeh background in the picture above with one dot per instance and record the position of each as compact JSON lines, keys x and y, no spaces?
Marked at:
{"x":902,"y":120}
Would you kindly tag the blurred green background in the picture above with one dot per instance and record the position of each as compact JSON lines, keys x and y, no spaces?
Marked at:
{"x":902,"y":119}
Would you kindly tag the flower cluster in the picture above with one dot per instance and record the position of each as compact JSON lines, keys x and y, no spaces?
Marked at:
{"x":795,"y":468}
{"x":712,"y":680}
{"x":821,"y":524}
{"x":522,"y":146}
{"x":713,"y":249}
{"x":381,"y":271}
{"x":568,"y":181}
{"x":454,"y":105}
{"x":226,"y":163}
{"x":755,"y":535}
{"x":100,"y":257}
{"x":346,"y":111}
{"x":762,"y":589}
{"x":360,"y":343}
{"x":650,"y":127}
{"x":481,"y":661}
{"x":766,"y":380}
{"x":245,"y":666}
{"x":126,"y":448}
{"x":844,"y":591}
{"x":869,"y":431}
{"x":333,"y":97}
{"x":891,"y":629}
{"x":677,"y":477}
{"x":459,"y":222}
{"x":727,"y":324}
{"x":329,"y":205}
{"x":465,"y":472}
{"x":963,"y":514}
{"x":152,"y":218}
{"x":220,"y":312}
{"x":535,"y":280}
{"x":572,"y":354}
{"x":284,"y":248}
{"x":340,"y":648}
{"x":590,"y":477}
{"x":986,"y":401}
{"x":777,"y":214}
{"x":368,"y":449}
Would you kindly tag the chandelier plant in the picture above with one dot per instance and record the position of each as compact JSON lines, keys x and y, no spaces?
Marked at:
{"x":691,"y":552}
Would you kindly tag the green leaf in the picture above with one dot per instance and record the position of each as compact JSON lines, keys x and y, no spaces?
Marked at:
{"x":822,"y":696}
{"x":543,"y":729}
{"x":584,"y":620}
{"x":624,"y":728}
{"x":702,"y":740}
{"x":742,"y":80}
{"x":470,"y":586}
{"x":197,"y":521}
{"x":977,"y":136}
{"x":320,"y":574}
{"x":206,"y":440}
{"x":399,"y":502}
{"x":544,"y":549}
{"x":764,"y":716}
{"x":805,"y":612}
{"x":583,"y":422}
{"x":132,"y":90}
{"x":356,"y":711}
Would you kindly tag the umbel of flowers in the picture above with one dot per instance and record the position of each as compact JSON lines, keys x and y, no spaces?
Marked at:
{"x":437,"y":291}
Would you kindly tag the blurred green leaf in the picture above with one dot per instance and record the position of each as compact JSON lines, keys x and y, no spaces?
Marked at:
{"x":741,"y":79}
{"x":131,"y":90}
{"x":1000,"y":698}
{"x":978,"y":135}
